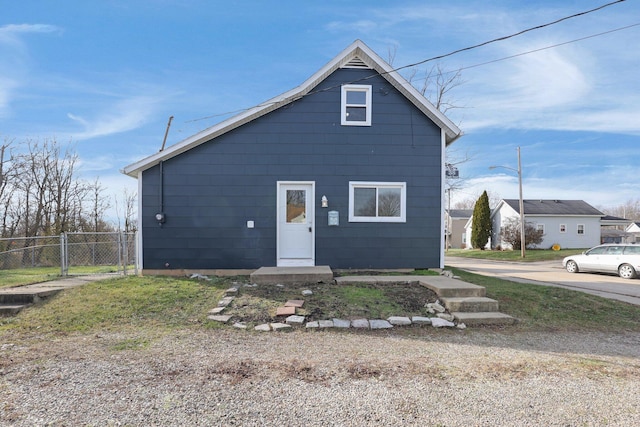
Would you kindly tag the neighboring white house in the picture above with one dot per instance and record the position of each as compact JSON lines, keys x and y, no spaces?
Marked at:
{"x":634,"y":230}
{"x":569,"y":223}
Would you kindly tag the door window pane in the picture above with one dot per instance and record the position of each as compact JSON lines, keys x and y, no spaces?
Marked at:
{"x":296,"y":206}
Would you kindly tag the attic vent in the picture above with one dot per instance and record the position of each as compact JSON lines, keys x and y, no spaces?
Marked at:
{"x":356,"y":62}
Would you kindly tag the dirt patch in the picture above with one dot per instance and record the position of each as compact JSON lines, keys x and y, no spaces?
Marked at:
{"x":257,"y":304}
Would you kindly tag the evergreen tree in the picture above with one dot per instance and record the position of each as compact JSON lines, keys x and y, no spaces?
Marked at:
{"x":481,"y":227}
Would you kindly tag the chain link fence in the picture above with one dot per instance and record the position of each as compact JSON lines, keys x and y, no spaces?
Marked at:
{"x":73,"y":253}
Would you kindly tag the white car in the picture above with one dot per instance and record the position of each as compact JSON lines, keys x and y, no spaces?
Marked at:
{"x":622,"y":259}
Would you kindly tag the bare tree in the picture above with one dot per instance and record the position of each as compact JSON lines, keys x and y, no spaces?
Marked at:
{"x":629,"y":210}
{"x":126,"y":207}
{"x":41,"y":194}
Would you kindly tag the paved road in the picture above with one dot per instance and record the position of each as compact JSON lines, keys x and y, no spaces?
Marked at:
{"x":551,"y":273}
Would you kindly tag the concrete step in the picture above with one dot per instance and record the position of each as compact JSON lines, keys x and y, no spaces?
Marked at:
{"x":8,"y":310}
{"x":470,"y":304}
{"x":27,"y":294}
{"x":292,"y":275}
{"x":447,"y":287}
{"x":484,"y":318}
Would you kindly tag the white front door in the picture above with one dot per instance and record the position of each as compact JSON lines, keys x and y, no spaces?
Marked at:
{"x":295,"y":229}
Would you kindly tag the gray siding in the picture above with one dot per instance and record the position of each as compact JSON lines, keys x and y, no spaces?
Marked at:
{"x":213,"y":189}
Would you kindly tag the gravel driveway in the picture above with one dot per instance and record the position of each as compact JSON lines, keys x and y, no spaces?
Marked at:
{"x":322,"y":378}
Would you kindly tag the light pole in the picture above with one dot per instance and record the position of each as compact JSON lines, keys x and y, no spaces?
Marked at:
{"x":521,"y":202}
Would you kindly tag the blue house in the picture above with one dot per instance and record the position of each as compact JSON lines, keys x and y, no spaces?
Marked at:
{"x":345,"y":170}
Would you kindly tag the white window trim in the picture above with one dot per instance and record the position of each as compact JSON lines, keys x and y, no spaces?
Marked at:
{"x":540,"y":227}
{"x":563,"y":228}
{"x":344,"y":105}
{"x":578,"y":229}
{"x":362,"y":184}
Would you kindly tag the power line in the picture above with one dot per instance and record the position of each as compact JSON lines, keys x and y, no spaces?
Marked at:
{"x":537,"y":27}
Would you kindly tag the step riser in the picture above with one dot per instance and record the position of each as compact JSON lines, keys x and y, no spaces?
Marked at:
{"x":12,"y":310}
{"x":485,"y":319}
{"x":471,"y":306}
{"x":292,"y":275}
{"x":461,"y":293}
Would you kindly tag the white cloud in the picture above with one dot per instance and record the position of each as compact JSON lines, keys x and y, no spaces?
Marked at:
{"x":11,"y":34}
{"x":121,"y":117}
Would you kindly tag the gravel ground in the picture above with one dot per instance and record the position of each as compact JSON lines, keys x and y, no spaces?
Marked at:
{"x":322,"y":378}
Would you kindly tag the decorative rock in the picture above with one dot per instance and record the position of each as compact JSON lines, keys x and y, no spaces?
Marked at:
{"x":341,"y":323}
{"x":436,"y":306}
{"x":263,"y":328}
{"x":399,"y":320}
{"x":295,"y":320}
{"x":379,"y":324}
{"x":216,"y":310}
{"x":231,"y":291}
{"x":219,"y":318}
{"x":437,"y":322}
{"x":419,"y":320}
{"x":311,"y":324}
{"x":285,"y":311}
{"x":240,"y":325}
{"x":461,"y":326}
{"x":446,"y":316}
{"x":225,"y":301}
{"x":199,"y":277}
{"x":307,"y":292}
{"x":279,"y":326}
{"x":280,"y":285}
{"x":298,"y":303}
{"x":325,"y":323}
{"x":360,"y":323}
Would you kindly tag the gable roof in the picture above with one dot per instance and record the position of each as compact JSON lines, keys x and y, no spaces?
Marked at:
{"x":553,"y":207}
{"x":461,"y":213}
{"x":356,"y":55}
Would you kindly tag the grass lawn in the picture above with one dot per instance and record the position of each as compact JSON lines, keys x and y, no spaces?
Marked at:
{"x":28,"y":276}
{"x":530,"y":254}
{"x":160,"y":304}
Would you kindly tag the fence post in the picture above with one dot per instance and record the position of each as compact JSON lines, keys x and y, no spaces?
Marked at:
{"x":63,"y":255}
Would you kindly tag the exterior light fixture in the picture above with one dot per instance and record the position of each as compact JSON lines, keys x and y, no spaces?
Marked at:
{"x":325,"y":202}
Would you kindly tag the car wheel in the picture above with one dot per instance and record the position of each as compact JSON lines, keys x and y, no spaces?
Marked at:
{"x":572,"y":267}
{"x":626,"y":271}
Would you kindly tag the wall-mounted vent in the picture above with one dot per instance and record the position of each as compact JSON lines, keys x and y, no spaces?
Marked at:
{"x":356,"y":62}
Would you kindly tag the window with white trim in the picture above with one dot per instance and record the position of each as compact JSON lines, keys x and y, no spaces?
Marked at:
{"x":540,"y":227}
{"x":377,"y":201}
{"x":563,"y":228}
{"x":355,"y":105}
{"x":580,"y":228}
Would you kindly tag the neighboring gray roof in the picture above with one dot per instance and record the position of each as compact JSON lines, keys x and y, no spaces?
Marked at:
{"x":461,"y":213}
{"x":554,"y":207}
{"x":357,"y":55}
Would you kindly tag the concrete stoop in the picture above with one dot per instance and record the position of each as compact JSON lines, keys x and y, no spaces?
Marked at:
{"x":292,"y":275}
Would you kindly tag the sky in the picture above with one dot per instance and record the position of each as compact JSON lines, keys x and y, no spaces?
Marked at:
{"x":106,"y":75}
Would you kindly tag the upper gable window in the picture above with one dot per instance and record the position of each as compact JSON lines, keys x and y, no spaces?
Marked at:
{"x":356,"y":105}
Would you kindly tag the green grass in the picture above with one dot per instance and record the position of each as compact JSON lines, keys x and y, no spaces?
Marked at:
{"x":530,"y":254}
{"x":120,"y":303}
{"x":159,"y":304}
{"x":547,"y":308}
{"x":27,"y":276}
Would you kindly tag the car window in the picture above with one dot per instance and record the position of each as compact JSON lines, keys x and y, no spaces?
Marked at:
{"x":632,"y":250}
{"x":598,"y":250}
{"x":614,"y":250}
